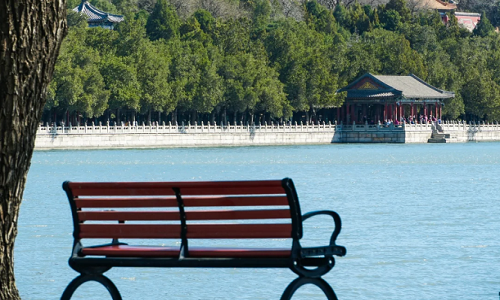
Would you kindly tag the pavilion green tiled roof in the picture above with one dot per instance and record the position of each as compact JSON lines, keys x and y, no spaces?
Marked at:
{"x":388,"y":86}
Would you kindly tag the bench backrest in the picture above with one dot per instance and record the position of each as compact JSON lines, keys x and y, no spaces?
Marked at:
{"x":171,"y":210}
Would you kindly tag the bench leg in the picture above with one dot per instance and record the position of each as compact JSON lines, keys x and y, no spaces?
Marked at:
{"x":108,"y":284}
{"x":319,"y":282}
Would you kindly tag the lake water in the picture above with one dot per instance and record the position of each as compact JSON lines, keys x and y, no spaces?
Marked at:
{"x":419,"y":221}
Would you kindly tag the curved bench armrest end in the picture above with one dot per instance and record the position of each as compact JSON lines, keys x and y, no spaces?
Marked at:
{"x":336,"y":219}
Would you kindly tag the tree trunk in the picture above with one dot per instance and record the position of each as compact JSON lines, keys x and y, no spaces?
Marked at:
{"x":174,"y":117}
{"x":192,"y":119}
{"x":31,"y":32}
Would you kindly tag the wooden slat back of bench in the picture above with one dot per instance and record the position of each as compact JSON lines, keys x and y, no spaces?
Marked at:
{"x":183,"y":209}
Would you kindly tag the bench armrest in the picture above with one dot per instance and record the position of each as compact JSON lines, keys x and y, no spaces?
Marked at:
{"x":332,"y":249}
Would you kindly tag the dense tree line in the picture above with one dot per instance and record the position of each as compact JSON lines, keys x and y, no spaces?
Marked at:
{"x":261,"y":60}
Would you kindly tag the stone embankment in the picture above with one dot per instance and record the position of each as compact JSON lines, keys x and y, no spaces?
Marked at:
{"x":461,"y":132}
{"x":158,"y":136}
{"x":144,"y":136}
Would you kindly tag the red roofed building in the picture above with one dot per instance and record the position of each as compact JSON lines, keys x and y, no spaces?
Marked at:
{"x":465,"y":19}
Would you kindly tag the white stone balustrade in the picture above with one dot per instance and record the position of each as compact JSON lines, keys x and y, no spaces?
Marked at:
{"x":187,"y":135}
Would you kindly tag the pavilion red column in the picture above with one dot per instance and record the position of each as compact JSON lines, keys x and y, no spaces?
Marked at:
{"x":436,"y":109}
{"x":440,"y":111}
{"x":365,"y":117}
{"x":385,"y":112}
{"x":412,"y":110}
{"x":425,"y":109}
{"x":338,"y":114}
{"x":353,"y":114}
{"x":347,"y":113}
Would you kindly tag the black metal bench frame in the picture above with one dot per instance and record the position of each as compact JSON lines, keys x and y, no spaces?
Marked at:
{"x":310,"y":263}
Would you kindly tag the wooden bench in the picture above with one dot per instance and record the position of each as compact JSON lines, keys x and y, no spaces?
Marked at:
{"x":185,"y":212}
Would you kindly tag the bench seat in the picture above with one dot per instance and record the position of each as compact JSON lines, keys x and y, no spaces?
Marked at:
{"x":198,"y":252}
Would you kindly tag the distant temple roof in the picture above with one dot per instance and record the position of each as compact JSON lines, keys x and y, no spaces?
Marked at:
{"x":96,"y":16}
{"x":437,"y":4}
{"x":371,"y":86}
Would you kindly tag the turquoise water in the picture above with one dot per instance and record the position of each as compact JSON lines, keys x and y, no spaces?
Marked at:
{"x":419,"y":221}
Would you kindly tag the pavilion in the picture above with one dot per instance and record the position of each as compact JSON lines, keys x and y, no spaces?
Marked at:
{"x":376,"y":98}
{"x":96,"y":17}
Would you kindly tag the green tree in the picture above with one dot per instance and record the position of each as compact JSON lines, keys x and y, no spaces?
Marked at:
{"x":423,"y":39}
{"x":78,"y":84}
{"x":261,"y":13}
{"x":233,"y":36}
{"x":120,"y":78}
{"x":484,"y":27}
{"x":163,"y":23}
{"x":319,"y":17}
{"x":342,"y":16}
{"x":126,"y":6}
{"x":131,"y":36}
{"x":390,"y":19}
{"x":76,"y":19}
{"x":153,"y":72}
{"x":481,"y":96}
{"x":191,"y":30}
{"x":360,"y":22}
{"x":205,"y":19}
{"x":401,"y":7}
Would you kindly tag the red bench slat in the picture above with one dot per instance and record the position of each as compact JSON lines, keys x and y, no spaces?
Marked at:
{"x":166,"y":188}
{"x":238,"y":231}
{"x":132,"y":231}
{"x":190,"y":215}
{"x":161,"y":252}
{"x":125,"y":202}
{"x":240,"y":252}
{"x":188,"y":202}
{"x":238,"y":214}
{"x":194,"y":231}
{"x":128,"y":215}
{"x":132,"y":251}
{"x":235,"y":201}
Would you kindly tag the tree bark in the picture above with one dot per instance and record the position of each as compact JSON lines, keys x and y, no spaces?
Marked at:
{"x":31,"y":32}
